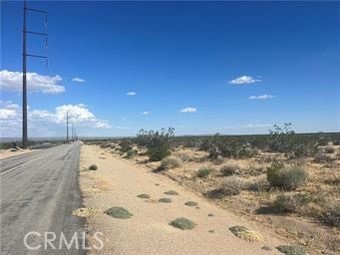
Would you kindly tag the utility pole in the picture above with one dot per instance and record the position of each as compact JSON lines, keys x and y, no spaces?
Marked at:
{"x":67,"y":126}
{"x":24,"y":70}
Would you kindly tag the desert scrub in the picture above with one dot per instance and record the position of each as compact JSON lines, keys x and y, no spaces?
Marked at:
{"x":144,"y":196}
{"x":157,"y":143}
{"x":230,"y":186}
{"x":246,"y":234}
{"x":93,"y":168}
{"x":329,"y":149}
{"x":171,"y":193}
{"x":165,"y":200}
{"x":131,"y":153}
{"x":170,"y":162}
{"x":191,"y":203}
{"x":182,"y":223}
{"x":204,"y":172}
{"x":322,"y":158}
{"x":229,"y":170}
{"x":292,"y":249}
{"x":119,"y":213}
{"x":290,"y":203}
{"x":331,"y":216}
{"x":288,"y":178}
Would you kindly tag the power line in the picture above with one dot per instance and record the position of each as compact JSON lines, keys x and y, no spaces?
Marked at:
{"x":24,"y":68}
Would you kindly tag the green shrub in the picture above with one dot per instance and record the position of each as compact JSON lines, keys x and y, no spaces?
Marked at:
{"x":284,"y":140}
{"x":191,"y":203}
{"x":170,"y":162}
{"x":125,"y":146}
{"x":292,"y":249}
{"x":144,"y":196}
{"x":171,"y":193}
{"x":229,"y":170}
{"x":204,"y":172}
{"x":118,"y":212}
{"x":157,"y":143}
{"x":182,"y":223}
{"x":286,"y":178}
{"x":290,"y":204}
{"x":93,"y":168}
{"x":131,"y":153}
{"x":165,"y":200}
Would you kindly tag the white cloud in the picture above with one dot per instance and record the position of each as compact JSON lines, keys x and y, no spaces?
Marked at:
{"x":131,"y":93}
{"x":261,"y":97}
{"x":8,"y":110}
{"x":255,"y":125}
{"x":77,"y":79}
{"x":12,"y":81}
{"x":244,"y":80}
{"x":39,"y":119}
{"x":145,"y":113}
{"x":189,"y":110}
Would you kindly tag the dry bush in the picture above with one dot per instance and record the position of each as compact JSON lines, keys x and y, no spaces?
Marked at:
{"x":331,"y":216}
{"x":288,"y":178}
{"x":229,"y":169}
{"x":329,"y":149}
{"x":204,"y":172}
{"x":290,"y":203}
{"x":171,"y":162}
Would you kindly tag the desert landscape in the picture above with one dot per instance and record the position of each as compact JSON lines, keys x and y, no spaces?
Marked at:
{"x":283,"y":189}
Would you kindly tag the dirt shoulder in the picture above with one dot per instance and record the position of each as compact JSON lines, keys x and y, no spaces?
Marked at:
{"x":117,"y":182}
{"x":12,"y":152}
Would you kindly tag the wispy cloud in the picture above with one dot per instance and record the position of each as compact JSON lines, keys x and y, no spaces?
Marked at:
{"x":256,"y":125}
{"x":188,"y":110}
{"x":131,"y":93}
{"x":77,"y":79}
{"x":12,"y":81}
{"x":261,"y":97}
{"x":244,"y":80}
{"x":145,"y":113}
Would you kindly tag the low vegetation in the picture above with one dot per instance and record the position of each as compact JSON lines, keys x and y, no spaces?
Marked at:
{"x":204,"y":172}
{"x":246,"y":234}
{"x":93,"y":168}
{"x":287,"y":178}
{"x":182,"y":223}
{"x":284,"y":174}
{"x":191,"y":203}
{"x":292,"y":249}
{"x":171,"y":193}
{"x":119,"y":213}
{"x":157,"y":143}
{"x":165,"y":200}
{"x":170,"y":163}
{"x":144,"y":196}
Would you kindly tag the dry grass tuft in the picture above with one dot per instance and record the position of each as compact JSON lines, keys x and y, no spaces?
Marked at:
{"x":86,"y":212}
{"x":246,"y":234}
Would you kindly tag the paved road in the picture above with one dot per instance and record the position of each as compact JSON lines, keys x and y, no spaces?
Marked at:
{"x":39,"y":191}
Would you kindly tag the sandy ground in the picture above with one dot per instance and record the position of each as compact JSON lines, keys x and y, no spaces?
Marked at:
{"x":117,"y":182}
{"x":9,"y":153}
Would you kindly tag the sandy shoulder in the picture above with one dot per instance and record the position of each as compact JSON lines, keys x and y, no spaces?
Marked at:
{"x":117,"y":182}
{"x":9,"y":153}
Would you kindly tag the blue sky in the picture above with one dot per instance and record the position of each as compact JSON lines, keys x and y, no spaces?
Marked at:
{"x":201,"y":67}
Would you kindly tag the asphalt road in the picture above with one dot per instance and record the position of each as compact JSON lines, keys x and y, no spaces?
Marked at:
{"x":39,"y":191}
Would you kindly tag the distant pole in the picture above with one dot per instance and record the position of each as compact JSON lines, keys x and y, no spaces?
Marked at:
{"x":24,"y":84}
{"x":67,"y":126}
{"x":72,"y":132}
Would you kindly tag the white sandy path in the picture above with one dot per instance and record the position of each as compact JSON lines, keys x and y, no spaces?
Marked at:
{"x":148,"y":231}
